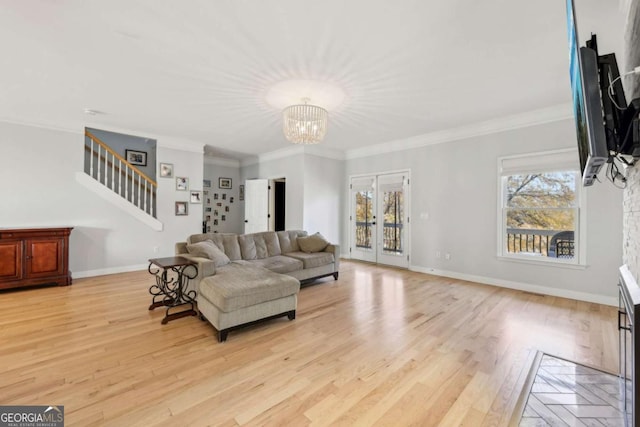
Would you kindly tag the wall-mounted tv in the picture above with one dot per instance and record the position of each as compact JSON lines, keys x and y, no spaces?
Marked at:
{"x":606,"y":127}
{"x":587,"y":104}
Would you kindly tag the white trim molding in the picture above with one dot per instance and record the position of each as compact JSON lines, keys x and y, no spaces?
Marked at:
{"x":520,"y":286}
{"x":516,"y":121}
{"x":221,"y":161}
{"x":105,"y":271}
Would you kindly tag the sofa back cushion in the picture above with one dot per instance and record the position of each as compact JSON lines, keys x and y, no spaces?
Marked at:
{"x":226,"y":242}
{"x":259,"y":245}
{"x":289,"y":240}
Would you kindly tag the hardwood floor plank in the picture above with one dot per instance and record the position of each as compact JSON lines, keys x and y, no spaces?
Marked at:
{"x":380,"y":346}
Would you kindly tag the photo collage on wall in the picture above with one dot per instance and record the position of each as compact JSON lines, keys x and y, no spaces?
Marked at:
{"x":217,"y":204}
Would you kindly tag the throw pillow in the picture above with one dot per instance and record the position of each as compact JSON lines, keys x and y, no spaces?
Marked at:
{"x":208,"y":249}
{"x":314,"y":243}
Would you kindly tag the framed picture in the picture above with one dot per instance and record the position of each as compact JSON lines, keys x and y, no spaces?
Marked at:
{"x":223,"y":217}
{"x":206,"y":183}
{"x":241,"y":195}
{"x":224,"y":183}
{"x":230,"y":199}
{"x":136,"y":158}
{"x":215,"y":222}
{"x":226,"y":208}
{"x":182,"y":183}
{"x":196,"y":196}
{"x":182,"y":208}
{"x":215,"y":196}
{"x":224,"y":196}
{"x":166,"y":170}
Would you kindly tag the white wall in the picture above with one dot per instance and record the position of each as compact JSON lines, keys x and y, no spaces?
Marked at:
{"x":454,"y":209}
{"x":234,"y":219}
{"x":323,"y":179}
{"x":38,"y":188}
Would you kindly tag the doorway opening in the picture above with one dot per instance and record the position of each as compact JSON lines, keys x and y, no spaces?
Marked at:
{"x":278,"y":189}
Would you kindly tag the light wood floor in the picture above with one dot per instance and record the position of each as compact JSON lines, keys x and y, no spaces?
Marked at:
{"x":379,"y":346}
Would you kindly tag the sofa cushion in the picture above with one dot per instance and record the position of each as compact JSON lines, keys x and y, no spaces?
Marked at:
{"x":314,"y":243}
{"x":289,"y":240}
{"x":239,"y":285}
{"x":259,"y":245}
{"x":279,"y":264}
{"x":231,"y":246}
{"x":207,"y":249}
{"x":316,"y":259}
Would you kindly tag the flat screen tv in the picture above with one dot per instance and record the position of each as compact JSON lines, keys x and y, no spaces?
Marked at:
{"x":587,"y":103}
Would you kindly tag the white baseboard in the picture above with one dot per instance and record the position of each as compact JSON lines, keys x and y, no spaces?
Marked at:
{"x":527,"y":287}
{"x":105,"y":271}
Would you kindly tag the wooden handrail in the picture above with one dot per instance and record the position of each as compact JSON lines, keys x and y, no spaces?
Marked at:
{"x":119,"y":157}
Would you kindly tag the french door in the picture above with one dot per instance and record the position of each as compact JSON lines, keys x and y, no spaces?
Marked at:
{"x":379,"y":221}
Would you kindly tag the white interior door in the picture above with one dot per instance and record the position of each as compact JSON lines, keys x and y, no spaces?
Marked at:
{"x":256,"y":205}
{"x":379,"y":219}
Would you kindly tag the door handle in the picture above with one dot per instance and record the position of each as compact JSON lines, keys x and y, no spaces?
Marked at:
{"x":246,"y":220}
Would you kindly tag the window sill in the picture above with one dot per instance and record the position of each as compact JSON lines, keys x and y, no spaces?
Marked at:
{"x":542,"y":261}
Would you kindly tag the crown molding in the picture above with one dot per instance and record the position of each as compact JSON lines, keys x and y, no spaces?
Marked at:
{"x":314,"y":150}
{"x":516,"y":121}
{"x":221,"y":161}
{"x":163,"y":141}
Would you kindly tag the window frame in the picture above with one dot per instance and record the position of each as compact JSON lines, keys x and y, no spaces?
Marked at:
{"x":541,"y":162}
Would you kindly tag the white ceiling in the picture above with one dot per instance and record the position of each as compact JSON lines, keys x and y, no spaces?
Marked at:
{"x":200,"y":69}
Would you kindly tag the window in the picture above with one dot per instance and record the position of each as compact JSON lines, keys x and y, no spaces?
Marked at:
{"x":540,"y":215}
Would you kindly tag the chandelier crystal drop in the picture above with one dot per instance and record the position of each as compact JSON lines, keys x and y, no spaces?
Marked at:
{"x":304,"y":123}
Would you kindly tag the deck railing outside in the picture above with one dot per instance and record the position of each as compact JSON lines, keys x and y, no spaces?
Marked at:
{"x":541,"y":242}
{"x":392,"y":236}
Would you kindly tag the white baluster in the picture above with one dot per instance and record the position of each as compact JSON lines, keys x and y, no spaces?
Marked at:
{"x":145,"y":196}
{"x":120,"y":176}
{"x":152,"y":208}
{"x":99,"y":163}
{"x":91,"y":160}
{"x":126,"y":182}
{"x":139,"y":190}
{"x":113,"y":173}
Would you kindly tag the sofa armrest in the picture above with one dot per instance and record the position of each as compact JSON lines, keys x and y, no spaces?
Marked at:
{"x":206,"y":267}
{"x":181,"y":248}
{"x":335,"y":250}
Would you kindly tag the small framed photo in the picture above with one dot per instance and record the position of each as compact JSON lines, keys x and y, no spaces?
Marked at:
{"x":215,"y":212}
{"x":241,"y":195}
{"x":196,"y":196}
{"x":224,"y":196}
{"x":230,"y":199}
{"x":215,"y":196}
{"x":166,"y":170}
{"x":215,"y":222}
{"x":136,"y":158}
{"x":207,"y":209}
{"x":182,"y":183}
{"x":206,"y":183}
{"x":226,"y":208}
{"x":223,"y":218}
{"x":224,"y":183}
{"x":182,"y":208}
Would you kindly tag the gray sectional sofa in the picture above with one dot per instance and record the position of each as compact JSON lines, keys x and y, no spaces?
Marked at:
{"x":250,"y":277}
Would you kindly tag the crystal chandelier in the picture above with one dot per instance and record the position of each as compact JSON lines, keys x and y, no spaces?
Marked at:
{"x":304,"y":123}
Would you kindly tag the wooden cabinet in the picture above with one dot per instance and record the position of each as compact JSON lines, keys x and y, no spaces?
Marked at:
{"x":34,"y":256}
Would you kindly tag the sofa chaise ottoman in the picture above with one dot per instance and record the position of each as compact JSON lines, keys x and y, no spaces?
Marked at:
{"x":239,"y":294}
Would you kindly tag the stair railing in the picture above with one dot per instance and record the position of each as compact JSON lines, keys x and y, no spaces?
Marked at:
{"x":115,"y":172}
